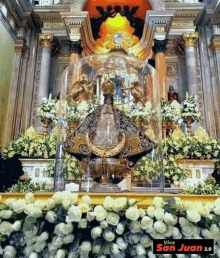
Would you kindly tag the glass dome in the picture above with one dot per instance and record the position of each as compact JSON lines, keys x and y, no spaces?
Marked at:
{"x":109,"y":123}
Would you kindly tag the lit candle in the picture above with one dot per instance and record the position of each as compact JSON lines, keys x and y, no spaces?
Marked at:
{"x":108,"y":129}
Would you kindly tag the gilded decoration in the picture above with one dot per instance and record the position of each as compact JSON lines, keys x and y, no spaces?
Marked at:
{"x":46,"y":40}
{"x":215,"y":45}
{"x":190,"y":39}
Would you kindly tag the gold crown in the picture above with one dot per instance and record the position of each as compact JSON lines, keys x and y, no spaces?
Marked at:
{"x":108,"y":88}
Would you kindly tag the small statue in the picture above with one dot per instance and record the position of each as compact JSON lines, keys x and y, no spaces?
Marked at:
{"x":136,"y":92}
{"x":216,"y":173}
{"x":80,"y":87}
{"x":172,"y":95}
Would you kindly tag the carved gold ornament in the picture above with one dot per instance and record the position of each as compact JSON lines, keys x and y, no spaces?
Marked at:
{"x":105,"y":151}
{"x":190,"y":39}
{"x":215,"y":45}
{"x":108,"y":88}
{"x":46,"y":40}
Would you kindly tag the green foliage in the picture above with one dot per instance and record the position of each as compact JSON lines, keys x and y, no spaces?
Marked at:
{"x":205,"y":188}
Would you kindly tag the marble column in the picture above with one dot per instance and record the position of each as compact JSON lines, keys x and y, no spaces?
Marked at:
{"x":46,"y":42}
{"x":159,"y":49}
{"x":190,"y":40}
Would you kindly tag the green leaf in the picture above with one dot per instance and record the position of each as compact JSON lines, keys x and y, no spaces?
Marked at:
{"x":30,"y":220}
{"x":28,"y":227}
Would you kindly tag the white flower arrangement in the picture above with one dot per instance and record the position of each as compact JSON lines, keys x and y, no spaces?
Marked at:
{"x":48,"y":109}
{"x":189,"y":109}
{"x":170,"y":111}
{"x":138,"y":111}
{"x":34,"y":228}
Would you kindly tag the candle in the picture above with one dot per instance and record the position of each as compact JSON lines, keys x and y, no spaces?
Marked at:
{"x":108,"y":129}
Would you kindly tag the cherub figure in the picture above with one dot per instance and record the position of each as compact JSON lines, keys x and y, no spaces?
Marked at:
{"x":136,"y":92}
{"x":80,"y":87}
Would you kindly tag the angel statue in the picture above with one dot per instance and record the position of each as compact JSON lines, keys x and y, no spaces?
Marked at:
{"x":80,"y":87}
{"x":136,"y":91}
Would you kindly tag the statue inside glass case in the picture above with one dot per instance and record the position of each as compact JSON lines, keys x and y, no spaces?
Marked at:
{"x":108,"y":143}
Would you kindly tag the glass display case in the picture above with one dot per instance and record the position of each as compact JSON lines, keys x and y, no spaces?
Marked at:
{"x":110,"y":122}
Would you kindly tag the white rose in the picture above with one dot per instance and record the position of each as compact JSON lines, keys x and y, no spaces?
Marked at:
{"x":86,"y":199}
{"x":151,"y":255}
{"x":146,"y":241}
{"x":17,"y":225}
{"x":204,"y":212}
{"x":140,"y":250}
{"x":9,"y":252}
{"x":39,"y":204}
{"x":60,"y":254}
{"x":85,"y":248}
{"x":33,"y":211}
{"x":66,"y":204}
{"x":119,"y":204}
{"x":74,"y":214}
{"x":188,"y":205}
{"x":43,"y":237}
{"x":108,"y":236}
{"x":180,"y":256}
{"x":169,"y":219}
{"x":159,"y":213}
{"x":205,"y":233}
{"x":19,"y":205}
{"x":96,"y":232}
{"x":6,"y":228}
{"x":29,"y":198}
{"x":30,"y":234}
{"x":50,"y":204}
{"x":169,"y":231}
{"x":193,"y":216}
{"x":96,"y":249}
{"x":90,"y":216}
{"x":5,"y":214}
{"x":68,"y":239}
{"x":121,"y":243}
{"x":132,"y":202}
{"x":33,"y":255}
{"x":158,"y":202}
{"x":160,"y":227}
{"x":9,"y":202}
{"x":120,"y":229}
{"x":39,"y":246}
{"x":100,"y":213}
{"x":103,"y":224}
{"x":57,"y":242}
{"x":135,"y":226}
{"x":28,"y":250}
{"x":132,"y":213}
{"x":58,"y":197}
{"x":51,"y":217}
{"x":146,"y":222}
{"x":108,"y":203}
{"x":150,"y":211}
{"x":74,"y":198}
{"x":115,"y":249}
{"x":112,"y":218}
{"x":178,"y":203}
{"x":217,"y":210}
{"x":217,"y":202}
{"x":183,"y":221}
{"x":63,"y":229}
{"x":176,"y":233}
{"x":142,"y":213}
{"x":84,"y":207}
{"x":82,"y":223}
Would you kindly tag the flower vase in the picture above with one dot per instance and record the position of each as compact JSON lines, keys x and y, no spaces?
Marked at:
{"x":73,"y":125}
{"x":46,"y":123}
{"x":189,"y":122}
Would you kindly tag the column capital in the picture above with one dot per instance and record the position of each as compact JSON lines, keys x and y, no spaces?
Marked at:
{"x":76,"y":47}
{"x":160,"y":46}
{"x":46,"y":40}
{"x":190,"y":38}
{"x":215,"y":44}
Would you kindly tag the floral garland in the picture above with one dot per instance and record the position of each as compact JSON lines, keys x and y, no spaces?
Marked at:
{"x":62,"y":227}
{"x":189,"y":109}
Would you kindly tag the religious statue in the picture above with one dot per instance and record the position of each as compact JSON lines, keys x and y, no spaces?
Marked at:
{"x":80,"y":87}
{"x":172,"y":95}
{"x":108,"y":143}
{"x":136,"y":91}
